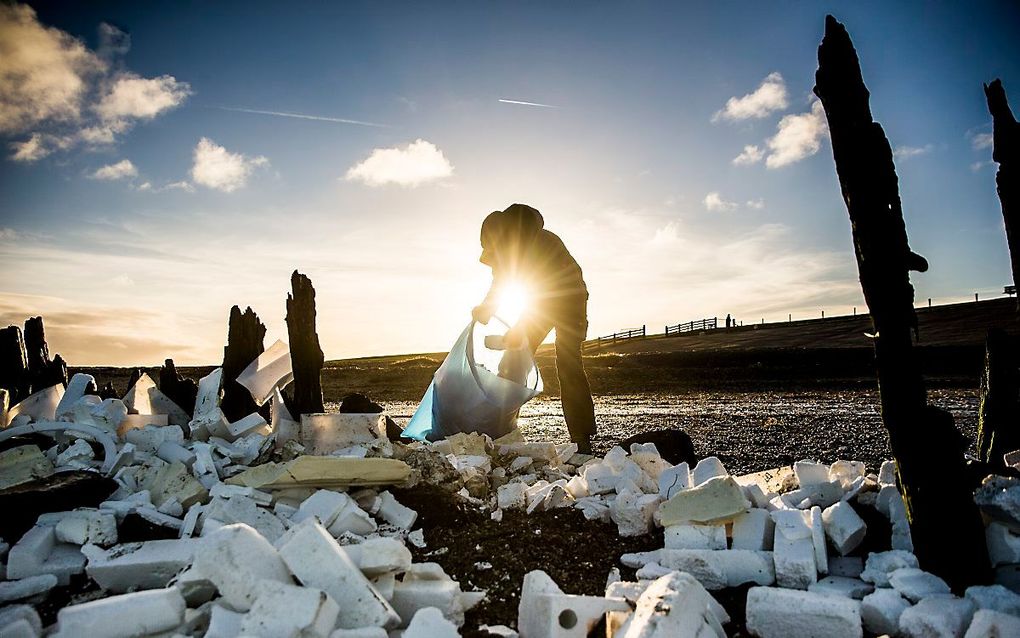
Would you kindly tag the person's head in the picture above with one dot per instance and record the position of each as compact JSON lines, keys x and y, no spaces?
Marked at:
{"x":507,"y":232}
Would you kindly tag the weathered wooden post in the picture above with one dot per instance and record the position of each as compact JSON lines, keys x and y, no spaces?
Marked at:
{"x":999,"y":412}
{"x":42,"y":371}
{"x":305,"y":354}
{"x":181,"y":391}
{"x":14,"y":364}
{"x":945,"y":525}
{"x":244,"y":343}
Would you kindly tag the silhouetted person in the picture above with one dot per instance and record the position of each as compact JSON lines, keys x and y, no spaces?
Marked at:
{"x":727,"y":321}
{"x":518,"y":249}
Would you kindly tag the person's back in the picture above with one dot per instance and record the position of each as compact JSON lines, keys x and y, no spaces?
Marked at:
{"x":517,"y":247}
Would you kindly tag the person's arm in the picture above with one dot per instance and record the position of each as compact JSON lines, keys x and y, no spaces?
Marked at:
{"x":483,"y":312}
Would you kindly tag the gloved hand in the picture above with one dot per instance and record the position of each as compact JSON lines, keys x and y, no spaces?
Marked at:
{"x":482,"y":314}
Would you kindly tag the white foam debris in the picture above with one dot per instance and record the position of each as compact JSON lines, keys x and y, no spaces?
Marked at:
{"x":779,"y":613}
{"x":881,"y":610}
{"x":939,"y":615}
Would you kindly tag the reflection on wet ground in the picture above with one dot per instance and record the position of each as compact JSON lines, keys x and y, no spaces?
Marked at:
{"x":748,"y":431}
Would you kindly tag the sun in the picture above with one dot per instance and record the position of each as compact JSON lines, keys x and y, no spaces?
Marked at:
{"x":513,"y":301}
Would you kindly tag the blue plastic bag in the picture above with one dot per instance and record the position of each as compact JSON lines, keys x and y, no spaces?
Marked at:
{"x":468,"y":395}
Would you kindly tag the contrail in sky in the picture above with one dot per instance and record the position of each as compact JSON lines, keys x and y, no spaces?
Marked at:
{"x":301,"y":116}
{"x":545,"y":106}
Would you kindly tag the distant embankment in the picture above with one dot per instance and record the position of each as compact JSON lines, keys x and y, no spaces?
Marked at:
{"x":818,"y":353}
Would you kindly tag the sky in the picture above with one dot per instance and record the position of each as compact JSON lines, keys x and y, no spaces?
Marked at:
{"x":163,"y":161}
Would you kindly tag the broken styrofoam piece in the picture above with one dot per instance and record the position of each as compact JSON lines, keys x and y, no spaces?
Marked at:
{"x":546,"y":612}
{"x":673,"y":605}
{"x":26,"y":588}
{"x":146,"y":565}
{"x":879,"y":565}
{"x":887,"y":473}
{"x":844,"y":527}
{"x":360,"y":632}
{"x":287,"y":610}
{"x":1003,"y":544}
{"x":707,"y":468}
{"x":173,"y":480}
{"x":325,"y":433}
{"x":78,"y":454}
{"x":818,"y":540}
{"x":992,"y":624}
{"x":391,"y":511}
{"x":881,"y":610}
{"x":816,"y":494}
{"x":105,"y":414}
{"x":647,"y":456}
{"x":324,"y":505}
{"x":254,"y":422}
{"x":632,"y":512}
{"x":268,"y":373}
{"x":377,"y":556}
{"x":754,"y":530}
{"x":148,"y":438}
{"x":810,"y":473}
{"x":695,"y":537}
{"x":87,"y":526}
{"x":915,"y":584}
{"x":40,"y":406}
{"x":235,"y":558}
{"x":136,"y":614}
{"x":842,"y":586}
{"x":939,"y":615}
{"x":411,"y":594}
{"x":132,"y":422}
{"x":315,"y":558}
{"x":512,"y":496}
{"x":76,"y":389}
{"x":39,"y":553}
{"x":901,"y":538}
{"x":794,"y":561}
{"x":718,"y":569}
{"x":23,"y":464}
{"x":324,"y":472}
{"x":20,"y":621}
{"x":779,"y":613}
{"x":89,"y":431}
{"x":430,"y":623}
{"x":674,"y":479}
{"x":846,"y":472}
{"x":242,"y":509}
{"x":717,"y":500}
{"x":995,"y":597}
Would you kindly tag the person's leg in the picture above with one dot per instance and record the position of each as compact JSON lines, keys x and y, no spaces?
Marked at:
{"x":575,"y":393}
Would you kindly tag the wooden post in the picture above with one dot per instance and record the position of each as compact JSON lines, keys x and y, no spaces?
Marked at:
{"x":305,"y":354}
{"x":14,"y":364}
{"x":945,"y":526}
{"x":181,"y":391}
{"x":42,"y":371}
{"x":244,"y":343}
{"x":1006,"y":151}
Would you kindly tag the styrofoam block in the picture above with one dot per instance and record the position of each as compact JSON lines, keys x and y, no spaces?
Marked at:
{"x":915,"y":584}
{"x":147,"y":434}
{"x":887,"y":473}
{"x":879,"y":565}
{"x":846,"y":472}
{"x":636,"y":560}
{"x":846,"y":566}
{"x":1003,"y":544}
{"x":881,"y":611}
{"x":674,"y":605}
{"x":241,"y":509}
{"x":794,"y":561}
{"x":76,"y":388}
{"x":430,"y":623}
{"x":87,"y":526}
{"x":707,"y":468}
{"x":316,"y":559}
{"x":844,"y":527}
{"x":12,"y":590}
{"x":632,"y":512}
{"x":696,"y":537}
{"x":818,"y":540}
{"x":412,"y":594}
{"x":939,"y":615}
{"x":500,"y":631}
{"x":718,"y":569}
{"x":652,"y":571}
{"x":171,"y":451}
{"x":235,"y":558}
{"x":254,"y":422}
{"x":135,"y":614}
{"x":269,"y":371}
{"x":360,"y":632}
{"x":716,"y":500}
{"x":842,"y":586}
{"x":20,"y":621}
{"x":816,"y":494}
{"x":195,"y":587}
{"x":601,"y":478}
{"x":324,"y":505}
{"x":647,"y":456}
{"x":995,"y":597}
{"x":901,"y":538}
{"x":546,"y":612}
{"x":394,"y":513}
{"x":674,"y":479}
{"x":224,"y":623}
{"x":147,"y":565}
{"x":753,"y":530}
{"x":288,"y":610}
{"x":79,"y":452}
{"x":993,"y":624}
{"x":376,"y":556}
{"x":512,"y":496}
{"x":325,"y":433}
{"x":26,"y":557}
{"x":781,"y":613}
{"x":810,"y":473}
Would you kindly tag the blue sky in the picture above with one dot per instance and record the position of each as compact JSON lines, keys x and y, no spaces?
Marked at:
{"x":137,"y":208}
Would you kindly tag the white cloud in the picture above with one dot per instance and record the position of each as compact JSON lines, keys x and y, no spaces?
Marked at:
{"x":31,"y":150}
{"x":768,"y":97}
{"x":45,"y":72}
{"x":797,"y":136}
{"x":122,"y":281}
{"x":751,"y":154}
{"x":667,"y":234}
{"x":8,"y":233}
{"x":131,"y":96}
{"x":184,"y":185}
{"x":981,"y":140}
{"x":216,"y":167}
{"x":417,"y":163}
{"x":714,"y":201}
{"x":906,"y":152}
{"x":120,"y":170}
{"x":756,"y":204}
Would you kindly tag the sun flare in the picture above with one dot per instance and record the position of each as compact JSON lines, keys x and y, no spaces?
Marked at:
{"x":513,"y":301}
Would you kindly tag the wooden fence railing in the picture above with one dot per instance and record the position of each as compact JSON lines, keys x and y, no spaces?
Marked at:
{"x":617,"y":336}
{"x":692,"y":326}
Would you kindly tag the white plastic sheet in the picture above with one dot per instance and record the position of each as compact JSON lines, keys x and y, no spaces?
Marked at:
{"x":269,"y":371}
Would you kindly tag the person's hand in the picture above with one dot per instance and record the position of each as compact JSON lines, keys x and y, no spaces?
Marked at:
{"x":513,"y":339}
{"x":481,"y":314}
